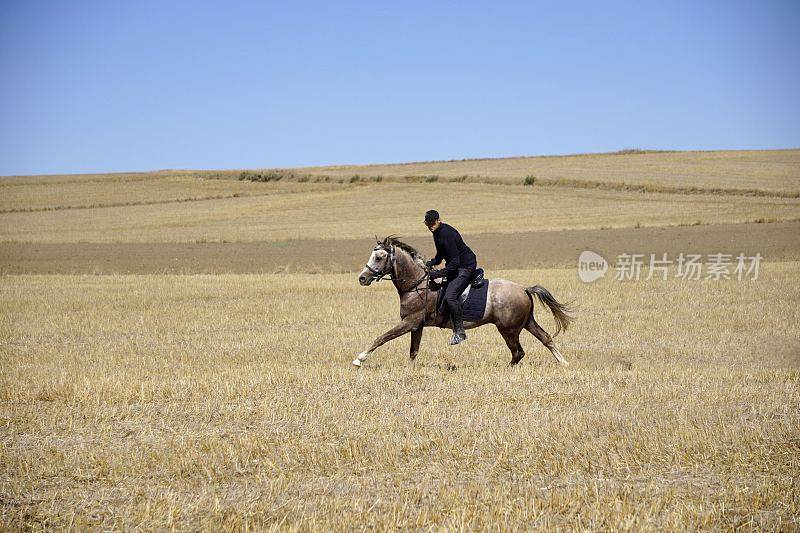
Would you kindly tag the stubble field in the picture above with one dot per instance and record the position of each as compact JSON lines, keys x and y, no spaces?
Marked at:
{"x":227,"y":401}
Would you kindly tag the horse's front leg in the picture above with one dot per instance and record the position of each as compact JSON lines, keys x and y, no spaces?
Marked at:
{"x":408,"y":324}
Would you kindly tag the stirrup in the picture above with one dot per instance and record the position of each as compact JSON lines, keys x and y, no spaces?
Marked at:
{"x":458,"y":338}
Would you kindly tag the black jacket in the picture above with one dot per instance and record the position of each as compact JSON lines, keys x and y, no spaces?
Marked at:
{"x":450,"y":247}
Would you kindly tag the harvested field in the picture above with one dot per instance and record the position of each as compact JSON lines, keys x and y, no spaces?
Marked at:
{"x":77,"y":194}
{"x":760,"y":170}
{"x":175,"y":351}
{"x":383,"y":208}
{"x":217,"y":402}
{"x":779,"y":241}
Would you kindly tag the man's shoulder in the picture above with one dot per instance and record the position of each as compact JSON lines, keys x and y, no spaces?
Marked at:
{"x":450,"y":230}
{"x":442,"y":229}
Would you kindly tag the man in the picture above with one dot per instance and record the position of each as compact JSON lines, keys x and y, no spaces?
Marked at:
{"x":460,"y":266}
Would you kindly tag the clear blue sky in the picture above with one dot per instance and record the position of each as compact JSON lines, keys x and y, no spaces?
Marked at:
{"x":122,"y":86}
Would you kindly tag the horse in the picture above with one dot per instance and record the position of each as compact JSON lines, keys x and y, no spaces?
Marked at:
{"x":509,"y":306}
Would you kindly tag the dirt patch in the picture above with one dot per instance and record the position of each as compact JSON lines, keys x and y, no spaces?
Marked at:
{"x":547,"y":249}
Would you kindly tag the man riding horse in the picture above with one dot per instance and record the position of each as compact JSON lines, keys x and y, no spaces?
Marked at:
{"x":459,"y":268}
{"x":506,"y":304}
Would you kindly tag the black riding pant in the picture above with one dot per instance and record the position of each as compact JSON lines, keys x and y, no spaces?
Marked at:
{"x":456,"y":286}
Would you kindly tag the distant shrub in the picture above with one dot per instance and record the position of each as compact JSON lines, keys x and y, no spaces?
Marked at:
{"x":457,"y":179}
{"x":302,"y":179}
{"x":529,"y":180}
{"x":265,"y":175}
{"x":355,"y":178}
{"x":377,"y":178}
{"x":431,"y":179}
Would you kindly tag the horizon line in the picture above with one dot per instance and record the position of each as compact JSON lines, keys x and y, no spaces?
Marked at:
{"x":621,"y":152}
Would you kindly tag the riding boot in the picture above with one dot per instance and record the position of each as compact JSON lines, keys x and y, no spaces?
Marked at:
{"x":459,"y":335}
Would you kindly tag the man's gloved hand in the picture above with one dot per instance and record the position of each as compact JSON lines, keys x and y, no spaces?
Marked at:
{"x":435,"y":274}
{"x":429,"y":263}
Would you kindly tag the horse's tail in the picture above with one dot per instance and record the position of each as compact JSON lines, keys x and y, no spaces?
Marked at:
{"x":561,"y":312}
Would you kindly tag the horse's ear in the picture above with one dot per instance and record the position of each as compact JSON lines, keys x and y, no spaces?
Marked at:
{"x":377,"y":239}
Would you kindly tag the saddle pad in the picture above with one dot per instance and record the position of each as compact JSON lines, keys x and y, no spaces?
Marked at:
{"x":475,"y":304}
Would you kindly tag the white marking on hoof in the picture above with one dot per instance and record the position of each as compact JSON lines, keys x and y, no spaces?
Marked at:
{"x":361,"y":358}
{"x":558,"y":356}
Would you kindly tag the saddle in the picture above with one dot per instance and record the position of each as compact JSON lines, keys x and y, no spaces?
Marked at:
{"x":476,"y":282}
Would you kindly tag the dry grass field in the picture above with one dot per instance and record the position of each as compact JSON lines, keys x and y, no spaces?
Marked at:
{"x":170,"y":206}
{"x":111,"y":191}
{"x":217,"y":402}
{"x":227,"y":401}
{"x":388,"y":208}
{"x":771,"y":171}
{"x":776,"y":171}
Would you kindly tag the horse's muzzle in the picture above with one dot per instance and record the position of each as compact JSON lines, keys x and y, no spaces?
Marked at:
{"x":364,"y":280}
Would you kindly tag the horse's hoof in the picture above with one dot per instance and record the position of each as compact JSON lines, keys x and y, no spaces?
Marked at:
{"x":356,"y":363}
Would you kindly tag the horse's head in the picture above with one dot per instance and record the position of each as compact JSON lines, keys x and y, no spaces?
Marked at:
{"x":378,"y":265}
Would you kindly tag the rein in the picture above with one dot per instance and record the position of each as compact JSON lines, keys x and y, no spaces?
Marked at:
{"x":380,"y":275}
{"x":390,"y":273}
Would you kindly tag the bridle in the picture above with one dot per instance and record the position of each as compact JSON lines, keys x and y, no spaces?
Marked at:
{"x":378,"y":276}
{"x":390,"y":273}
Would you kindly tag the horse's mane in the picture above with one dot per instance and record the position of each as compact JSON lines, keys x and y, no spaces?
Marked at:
{"x":413,"y":252}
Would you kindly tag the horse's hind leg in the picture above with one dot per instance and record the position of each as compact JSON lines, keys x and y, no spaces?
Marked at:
{"x":546,"y":339}
{"x":512,"y":341}
{"x":416,"y":337}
